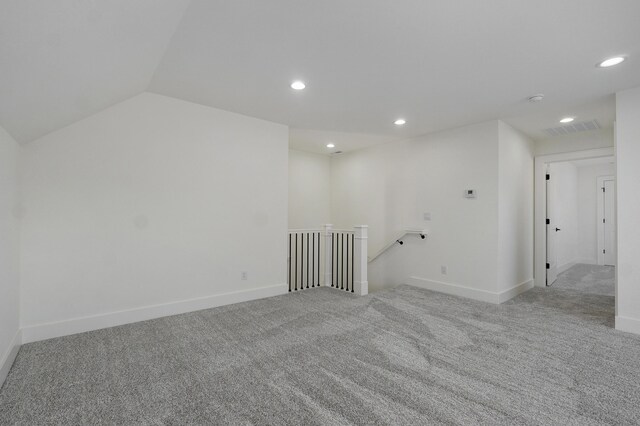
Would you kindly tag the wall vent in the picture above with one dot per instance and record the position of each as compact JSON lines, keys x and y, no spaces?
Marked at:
{"x":581,"y":126}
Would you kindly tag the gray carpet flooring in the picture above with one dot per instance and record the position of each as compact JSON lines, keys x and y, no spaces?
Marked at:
{"x":594,"y":279}
{"x":405,"y":356}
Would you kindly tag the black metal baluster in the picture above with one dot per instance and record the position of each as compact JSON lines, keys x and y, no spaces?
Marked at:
{"x":336,"y":261}
{"x":353,"y":262}
{"x":307,"y":260}
{"x":319,"y":259}
{"x":313,"y":261}
{"x":289,"y":265}
{"x":342,"y":262}
{"x":337,"y":252}
{"x":301,"y":261}
{"x":295,"y":268}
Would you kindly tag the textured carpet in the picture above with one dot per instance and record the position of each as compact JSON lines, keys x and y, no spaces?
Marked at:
{"x":594,"y":279}
{"x":405,"y":356}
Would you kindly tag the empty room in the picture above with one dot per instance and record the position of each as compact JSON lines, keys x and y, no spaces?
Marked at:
{"x":319,"y":212}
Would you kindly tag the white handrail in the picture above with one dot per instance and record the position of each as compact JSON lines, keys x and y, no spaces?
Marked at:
{"x":422,"y":233}
{"x":335,"y":231}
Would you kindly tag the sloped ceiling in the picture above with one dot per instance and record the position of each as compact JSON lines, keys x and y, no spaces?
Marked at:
{"x":63,"y":60}
{"x":437,"y":63}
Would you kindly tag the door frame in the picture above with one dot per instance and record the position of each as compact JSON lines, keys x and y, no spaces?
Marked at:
{"x":600,"y":214}
{"x":552,"y":269}
{"x":540,"y":204}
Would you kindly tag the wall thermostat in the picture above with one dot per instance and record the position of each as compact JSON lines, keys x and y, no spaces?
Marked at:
{"x":469,"y":193}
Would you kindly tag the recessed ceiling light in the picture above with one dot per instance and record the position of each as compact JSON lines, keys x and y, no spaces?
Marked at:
{"x":298,"y":85}
{"x":611,"y":61}
{"x":400,"y":122}
{"x":330,"y":145}
{"x":567,"y":120}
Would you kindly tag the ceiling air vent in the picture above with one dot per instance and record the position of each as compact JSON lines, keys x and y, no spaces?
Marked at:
{"x":582,"y":126}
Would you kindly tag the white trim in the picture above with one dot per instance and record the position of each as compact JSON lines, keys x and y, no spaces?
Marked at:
{"x":454,"y":289}
{"x":580,"y":260}
{"x":328,"y":257}
{"x":566,"y":266}
{"x":540,"y":208}
{"x":587,"y":261}
{"x":512,"y":292}
{"x":471,"y":293}
{"x":34,"y":333}
{"x":360,"y":264}
{"x":10,"y":356}
{"x":630,"y":325}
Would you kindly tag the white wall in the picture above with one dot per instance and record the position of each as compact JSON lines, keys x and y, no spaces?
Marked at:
{"x":628,"y":209}
{"x":588,"y":191}
{"x":148,"y":203}
{"x":515,"y":250}
{"x":564,"y":178}
{"x":575,"y":142}
{"x":485,"y":243}
{"x":9,"y":252}
{"x":309,"y":190}
{"x":389,"y":187}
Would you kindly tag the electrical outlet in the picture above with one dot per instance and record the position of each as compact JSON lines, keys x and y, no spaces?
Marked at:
{"x":426,"y":216}
{"x":443,"y":270}
{"x":243,"y":276}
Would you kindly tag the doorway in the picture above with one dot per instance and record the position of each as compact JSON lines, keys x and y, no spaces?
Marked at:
{"x":580,"y":220}
{"x":606,"y":221}
{"x":574,"y":221}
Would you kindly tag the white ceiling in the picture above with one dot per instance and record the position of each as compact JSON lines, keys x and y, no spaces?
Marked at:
{"x":317,"y":140}
{"x":438,"y":63}
{"x":63,"y":60}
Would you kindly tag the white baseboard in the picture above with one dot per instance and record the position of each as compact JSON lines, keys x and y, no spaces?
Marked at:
{"x":566,"y":266}
{"x":454,"y":289}
{"x":574,"y":262}
{"x":34,"y":333}
{"x":512,"y":292}
{"x":630,"y":325}
{"x":9,"y":356}
{"x":471,"y":293}
{"x":587,"y":261}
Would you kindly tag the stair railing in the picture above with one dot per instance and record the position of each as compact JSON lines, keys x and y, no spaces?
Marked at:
{"x":399,"y":240}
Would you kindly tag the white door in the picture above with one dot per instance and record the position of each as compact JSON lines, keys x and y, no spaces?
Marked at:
{"x":552,"y":256}
{"x":609,"y":223}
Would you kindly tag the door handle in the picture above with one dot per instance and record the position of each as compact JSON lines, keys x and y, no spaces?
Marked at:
{"x":558,"y":229}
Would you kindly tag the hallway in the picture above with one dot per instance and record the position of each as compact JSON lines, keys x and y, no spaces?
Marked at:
{"x":592,"y":279}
